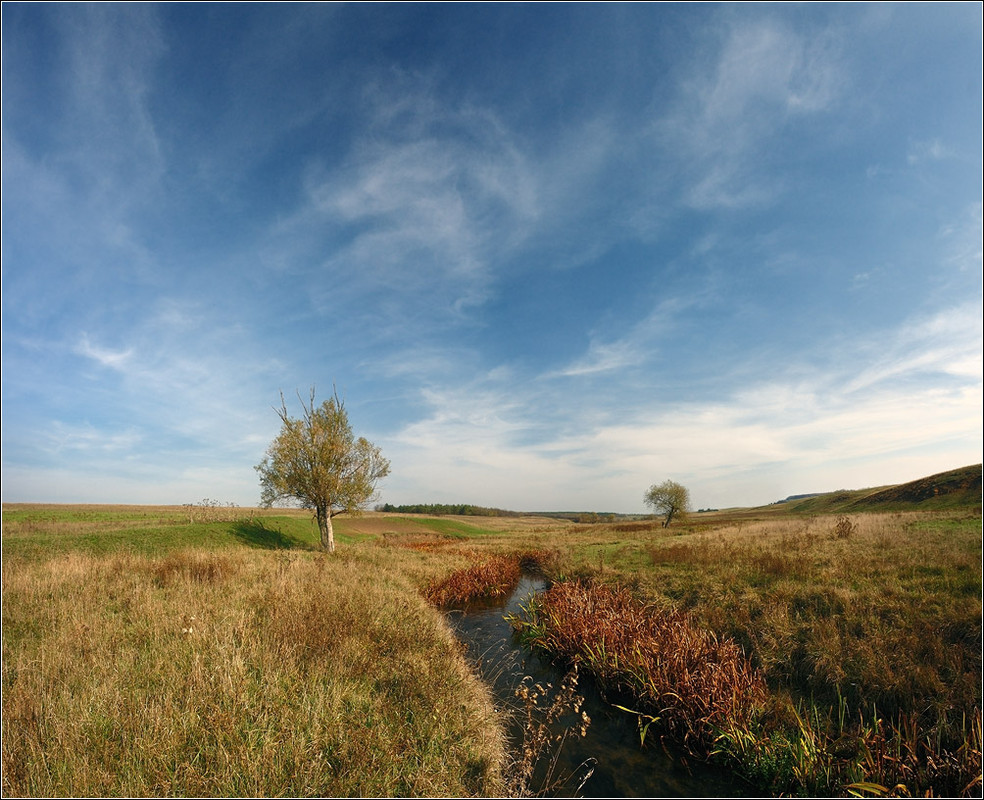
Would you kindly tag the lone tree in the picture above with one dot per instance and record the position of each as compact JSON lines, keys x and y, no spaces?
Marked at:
{"x":318,"y":463}
{"x":668,"y":499}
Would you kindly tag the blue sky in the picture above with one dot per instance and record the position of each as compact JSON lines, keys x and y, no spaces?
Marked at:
{"x":549,"y":254}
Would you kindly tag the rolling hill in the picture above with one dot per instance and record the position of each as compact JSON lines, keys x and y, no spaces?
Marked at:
{"x":957,"y":488}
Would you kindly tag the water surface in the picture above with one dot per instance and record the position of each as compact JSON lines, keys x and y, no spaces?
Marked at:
{"x":622,"y":766}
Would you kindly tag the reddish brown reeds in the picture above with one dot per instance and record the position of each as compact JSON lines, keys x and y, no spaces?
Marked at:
{"x":684,"y":678}
{"x":495,"y":576}
{"x":540,"y":561}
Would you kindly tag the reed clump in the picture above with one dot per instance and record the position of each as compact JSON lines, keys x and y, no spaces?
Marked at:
{"x":540,"y":561}
{"x":686,"y":679}
{"x":816,"y":753}
{"x":492,"y":577}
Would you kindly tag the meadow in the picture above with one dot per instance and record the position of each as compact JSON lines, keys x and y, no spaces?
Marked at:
{"x":213,"y":651}
{"x":866,"y":630}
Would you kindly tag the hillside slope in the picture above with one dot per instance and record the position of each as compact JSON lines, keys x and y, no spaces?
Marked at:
{"x":957,"y":488}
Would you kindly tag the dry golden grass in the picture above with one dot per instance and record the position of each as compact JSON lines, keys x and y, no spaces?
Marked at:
{"x":885,"y":611}
{"x":867,"y":629}
{"x":135,"y":664}
{"x":235,"y":673}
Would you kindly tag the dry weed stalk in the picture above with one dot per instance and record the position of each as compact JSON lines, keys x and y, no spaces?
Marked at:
{"x":208,"y":510}
{"x":544,"y":736}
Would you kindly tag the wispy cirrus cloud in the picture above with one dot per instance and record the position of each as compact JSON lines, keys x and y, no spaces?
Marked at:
{"x":932,"y":150}
{"x":640,"y":344}
{"x":85,"y":437}
{"x":765,"y":74}
{"x":430,"y":199}
{"x":962,"y":240}
{"x":439,"y":199}
{"x":114,"y":359}
{"x":83,"y":183}
{"x":183,"y":382}
{"x":112,"y":59}
{"x":543,"y":264}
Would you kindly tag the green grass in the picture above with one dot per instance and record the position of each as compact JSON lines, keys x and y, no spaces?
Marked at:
{"x":955,"y":490}
{"x":308,"y":674}
{"x":45,"y":532}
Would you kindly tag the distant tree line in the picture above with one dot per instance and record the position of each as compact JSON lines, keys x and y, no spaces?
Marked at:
{"x":467,"y":510}
{"x":585,"y":517}
{"x":444,"y":509}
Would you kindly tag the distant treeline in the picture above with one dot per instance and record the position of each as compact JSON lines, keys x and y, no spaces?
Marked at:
{"x":466,"y":510}
{"x":587,"y":517}
{"x":443,"y":509}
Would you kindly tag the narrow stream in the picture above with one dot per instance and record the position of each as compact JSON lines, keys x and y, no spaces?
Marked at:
{"x":622,"y":768}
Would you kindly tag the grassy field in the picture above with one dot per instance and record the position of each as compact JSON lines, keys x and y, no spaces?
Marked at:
{"x":850,"y":620}
{"x":212,"y":651}
{"x":146,"y":653}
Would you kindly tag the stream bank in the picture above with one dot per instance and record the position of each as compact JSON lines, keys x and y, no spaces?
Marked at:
{"x":622,"y":766}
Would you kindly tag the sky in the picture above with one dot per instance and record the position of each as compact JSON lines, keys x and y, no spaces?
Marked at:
{"x":547,"y":254}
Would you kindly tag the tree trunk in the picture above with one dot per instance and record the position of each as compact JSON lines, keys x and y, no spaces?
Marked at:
{"x":324,"y":525}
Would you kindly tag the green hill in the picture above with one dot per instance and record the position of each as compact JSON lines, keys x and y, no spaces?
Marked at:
{"x":958,"y":488}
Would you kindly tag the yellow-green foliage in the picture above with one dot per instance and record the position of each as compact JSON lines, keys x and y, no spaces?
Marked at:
{"x":235,"y":673}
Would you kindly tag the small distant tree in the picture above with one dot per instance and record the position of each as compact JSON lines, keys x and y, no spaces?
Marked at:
{"x":317,"y":462}
{"x":668,"y":499}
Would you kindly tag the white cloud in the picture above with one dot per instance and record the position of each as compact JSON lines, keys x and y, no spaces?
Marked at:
{"x":429,"y":200}
{"x":114,"y":359}
{"x":130,"y":483}
{"x":945,"y":345}
{"x":601,"y":357}
{"x":765,"y":73}
{"x":113,"y":51}
{"x":962,"y":239}
{"x":765,"y":63}
{"x":640,"y":344}
{"x":62,"y":437}
{"x":190,"y":387}
{"x":81,"y":188}
{"x":803,"y":431}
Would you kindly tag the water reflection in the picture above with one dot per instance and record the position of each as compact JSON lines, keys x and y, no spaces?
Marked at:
{"x":622,"y":768}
